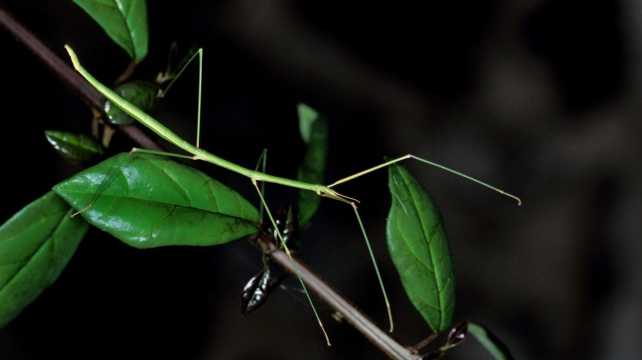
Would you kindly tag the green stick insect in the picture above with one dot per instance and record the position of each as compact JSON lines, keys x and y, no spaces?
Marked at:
{"x":198,"y":153}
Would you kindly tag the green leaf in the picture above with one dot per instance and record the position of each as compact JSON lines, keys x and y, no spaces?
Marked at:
{"x":149,"y":201}
{"x":76,"y":148}
{"x":419,"y":249}
{"x":143,"y":94}
{"x":125,"y":21}
{"x":307,"y":117}
{"x":491,"y":342}
{"x":314,"y":131}
{"x":35,"y":246}
{"x":176,"y":67}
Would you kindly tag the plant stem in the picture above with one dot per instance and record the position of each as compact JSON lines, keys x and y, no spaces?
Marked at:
{"x":345,"y":308}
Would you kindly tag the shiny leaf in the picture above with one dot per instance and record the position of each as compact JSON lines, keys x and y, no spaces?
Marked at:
{"x":288,"y":225}
{"x":35,"y":246}
{"x":76,"y":148}
{"x":455,"y":337}
{"x":125,"y":21}
{"x":457,"y":334}
{"x":149,"y":201}
{"x":314,"y":131}
{"x":419,"y":249}
{"x":143,"y":94}
{"x":491,"y":342}
{"x":255,"y":292}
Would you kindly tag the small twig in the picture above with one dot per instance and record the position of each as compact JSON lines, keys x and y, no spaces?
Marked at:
{"x":126,"y":74}
{"x":425,"y":342}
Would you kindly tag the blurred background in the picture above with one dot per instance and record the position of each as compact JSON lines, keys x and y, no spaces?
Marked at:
{"x":540,"y":98}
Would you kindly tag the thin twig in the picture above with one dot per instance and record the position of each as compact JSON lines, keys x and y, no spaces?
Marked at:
{"x":126,"y":74}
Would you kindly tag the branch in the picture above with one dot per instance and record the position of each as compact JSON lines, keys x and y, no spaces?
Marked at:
{"x":346,"y":309}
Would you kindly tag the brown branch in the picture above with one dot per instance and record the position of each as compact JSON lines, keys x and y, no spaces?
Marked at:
{"x":348,"y":311}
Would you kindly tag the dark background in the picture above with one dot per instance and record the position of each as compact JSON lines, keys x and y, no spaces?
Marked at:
{"x":540,"y":98}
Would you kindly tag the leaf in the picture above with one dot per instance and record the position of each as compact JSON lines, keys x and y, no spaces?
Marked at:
{"x":491,"y":342}
{"x":288,"y":226}
{"x":255,"y":292}
{"x":76,"y":148}
{"x":174,"y":67}
{"x":419,"y":249}
{"x":314,"y":131}
{"x":142,"y":94}
{"x":149,"y":201}
{"x":35,"y":246}
{"x":457,"y":335}
{"x":125,"y":21}
{"x":307,"y":117}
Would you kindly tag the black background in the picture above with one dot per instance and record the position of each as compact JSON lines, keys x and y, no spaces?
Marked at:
{"x":540,"y":99}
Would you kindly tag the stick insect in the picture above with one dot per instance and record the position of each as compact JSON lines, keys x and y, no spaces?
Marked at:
{"x":197,"y":153}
